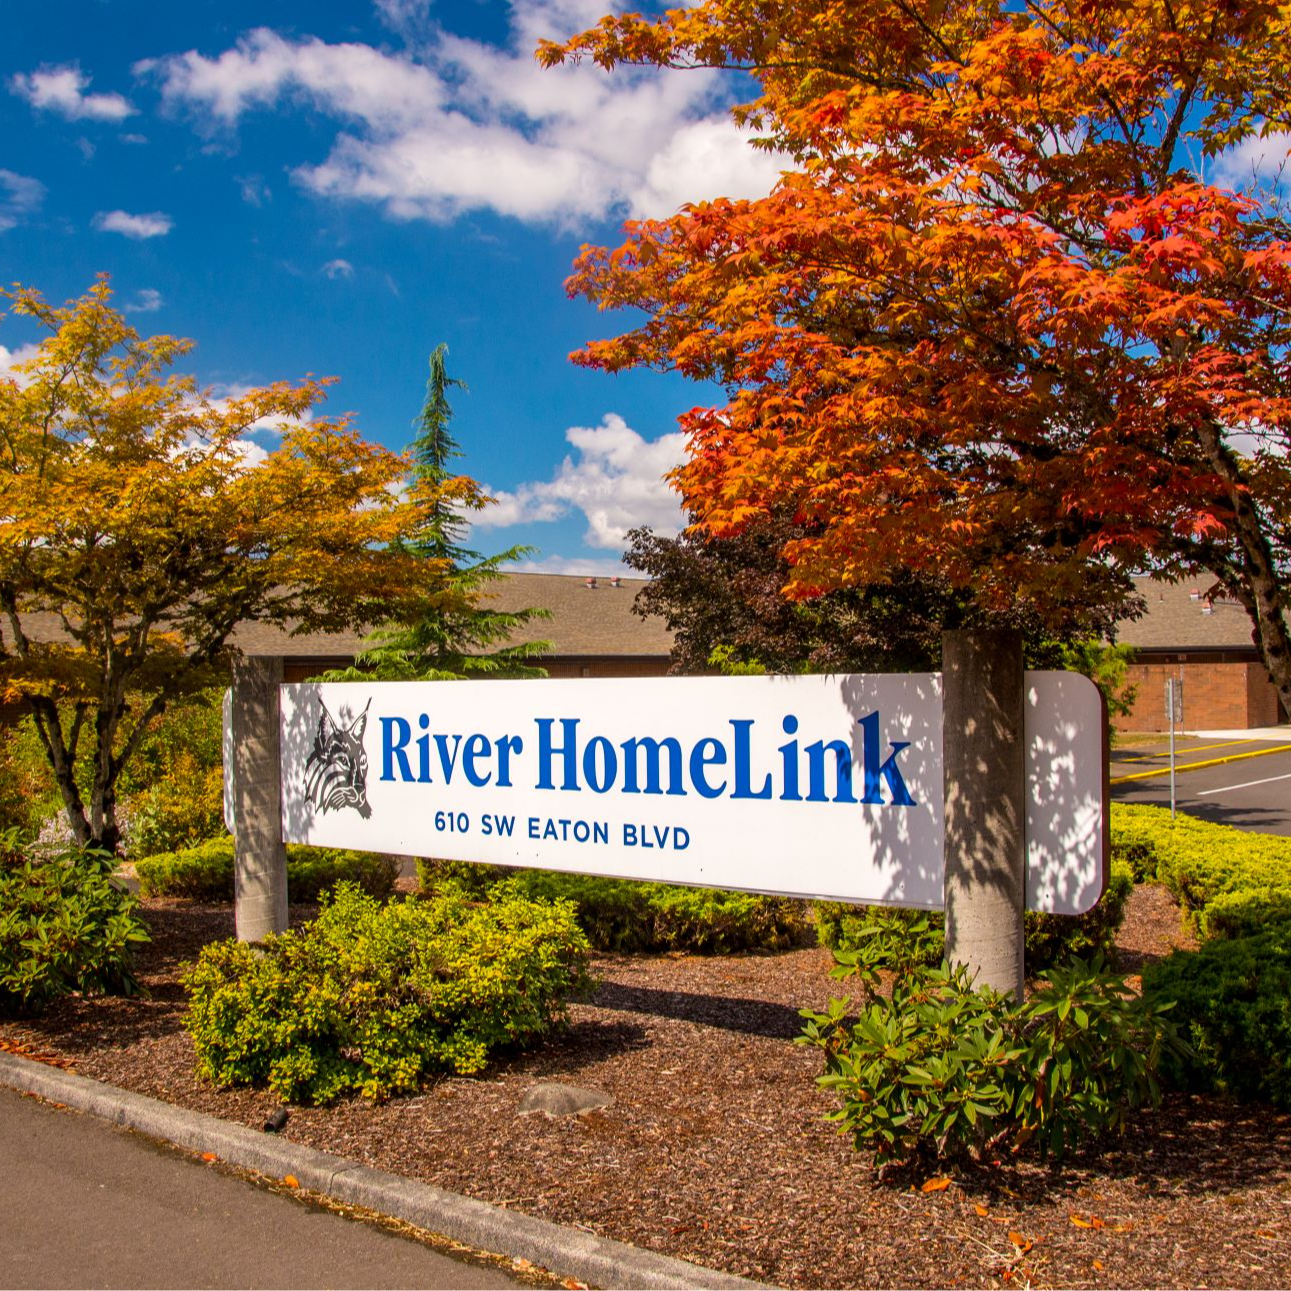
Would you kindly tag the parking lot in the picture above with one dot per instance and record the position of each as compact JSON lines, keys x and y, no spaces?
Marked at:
{"x":1233,"y":779}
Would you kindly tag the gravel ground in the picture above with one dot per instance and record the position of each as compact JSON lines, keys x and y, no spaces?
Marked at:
{"x":715,"y":1149}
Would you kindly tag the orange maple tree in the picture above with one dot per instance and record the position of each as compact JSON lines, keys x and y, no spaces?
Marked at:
{"x":993,"y":322}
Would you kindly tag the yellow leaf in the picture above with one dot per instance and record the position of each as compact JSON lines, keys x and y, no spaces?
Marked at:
{"x":939,"y":1184}
{"x":291,"y":1181}
{"x":1081,"y":1223}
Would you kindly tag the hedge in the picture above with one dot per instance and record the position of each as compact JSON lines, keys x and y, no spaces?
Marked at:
{"x":1229,"y":881}
{"x":1050,"y":938}
{"x":374,"y":998}
{"x":1233,"y":1007}
{"x":205,"y":872}
{"x":625,"y":915}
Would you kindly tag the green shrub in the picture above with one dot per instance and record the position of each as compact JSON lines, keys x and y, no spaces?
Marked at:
{"x":178,"y":810}
{"x":205,"y":872}
{"x":624,"y":915}
{"x":65,"y":925}
{"x":1053,"y":938}
{"x":1233,"y":1006}
{"x":1197,"y":860}
{"x":375,"y":998}
{"x":945,"y":1070}
{"x":1246,"y":914}
{"x":1050,"y":938}
{"x":467,"y":877}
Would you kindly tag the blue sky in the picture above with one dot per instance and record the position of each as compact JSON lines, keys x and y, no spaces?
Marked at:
{"x":336,"y":188}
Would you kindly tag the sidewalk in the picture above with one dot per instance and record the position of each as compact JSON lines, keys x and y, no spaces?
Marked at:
{"x":1280,"y":733}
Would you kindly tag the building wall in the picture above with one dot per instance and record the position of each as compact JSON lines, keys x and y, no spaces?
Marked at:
{"x":1264,"y":704}
{"x":606,"y":666}
{"x":1219,"y":693}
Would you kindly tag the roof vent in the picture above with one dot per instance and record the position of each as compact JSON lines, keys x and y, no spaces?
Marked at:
{"x":1195,"y":594}
{"x":1208,"y":607}
{"x":615,"y":580}
{"x":591,"y":584}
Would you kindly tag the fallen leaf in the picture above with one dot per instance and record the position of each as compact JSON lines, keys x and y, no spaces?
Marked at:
{"x":209,"y":1156}
{"x":981,"y":1210}
{"x":1024,"y":1244}
{"x":1126,"y":1227}
{"x":1261,"y":1233}
{"x":1081,"y":1223}
{"x":1098,"y":1264}
{"x":939,"y":1184}
{"x":520,"y":1263}
{"x":572,"y":1284}
{"x":291,"y":1181}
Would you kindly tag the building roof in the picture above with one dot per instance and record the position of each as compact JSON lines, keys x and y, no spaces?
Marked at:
{"x":594,"y":619}
{"x":1179,"y":617}
{"x":590,"y":618}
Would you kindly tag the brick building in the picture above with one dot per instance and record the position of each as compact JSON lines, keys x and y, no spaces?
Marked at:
{"x":594,"y":633}
{"x":1206,"y":645}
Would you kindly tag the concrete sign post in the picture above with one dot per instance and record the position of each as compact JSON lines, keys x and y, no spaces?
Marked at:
{"x":984,"y":748}
{"x":254,"y":795}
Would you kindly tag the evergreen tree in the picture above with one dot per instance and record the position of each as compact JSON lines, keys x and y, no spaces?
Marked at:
{"x":452,"y":635}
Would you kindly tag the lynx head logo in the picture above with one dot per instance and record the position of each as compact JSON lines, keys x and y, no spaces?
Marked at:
{"x":336,"y":772}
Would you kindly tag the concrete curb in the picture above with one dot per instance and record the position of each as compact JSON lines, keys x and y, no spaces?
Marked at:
{"x":565,"y":1251}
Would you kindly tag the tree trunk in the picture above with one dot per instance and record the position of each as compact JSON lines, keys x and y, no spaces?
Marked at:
{"x":1250,"y":574}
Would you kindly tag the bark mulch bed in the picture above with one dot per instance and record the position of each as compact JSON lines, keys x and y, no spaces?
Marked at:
{"x":715,"y":1149}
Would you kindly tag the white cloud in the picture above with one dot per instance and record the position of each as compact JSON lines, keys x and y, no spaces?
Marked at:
{"x":583,"y":566}
{"x":221,"y":397}
{"x":146,"y":301}
{"x":255,"y":192}
{"x":155,"y":224}
{"x":20,"y":195}
{"x":616,"y":481}
{"x":458,"y":125}
{"x":1253,"y":161}
{"x":408,"y":19}
{"x":338,"y":268}
{"x":9,"y":358}
{"x":710,"y":158}
{"x":62,"y":90}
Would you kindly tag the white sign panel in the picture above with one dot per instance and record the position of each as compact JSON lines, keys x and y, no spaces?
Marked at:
{"x":826,"y":787}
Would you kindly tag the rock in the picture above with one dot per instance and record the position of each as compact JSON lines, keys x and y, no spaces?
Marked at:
{"x":275,"y":1120}
{"x":556,"y":1099}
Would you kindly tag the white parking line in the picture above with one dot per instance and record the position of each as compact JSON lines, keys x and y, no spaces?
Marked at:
{"x":1250,"y":784}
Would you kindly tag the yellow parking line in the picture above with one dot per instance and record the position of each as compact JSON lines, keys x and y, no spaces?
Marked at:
{"x":1196,"y":748}
{"x":1209,"y":762}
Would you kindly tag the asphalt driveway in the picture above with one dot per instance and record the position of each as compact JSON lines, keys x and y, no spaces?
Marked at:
{"x":86,"y":1204}
{"x":1232,"y":780}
